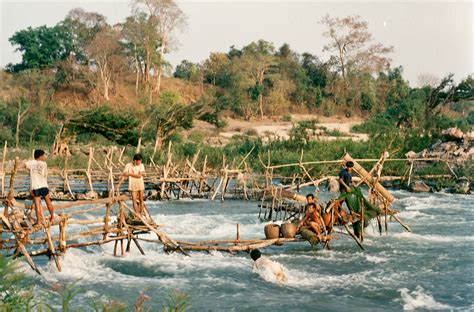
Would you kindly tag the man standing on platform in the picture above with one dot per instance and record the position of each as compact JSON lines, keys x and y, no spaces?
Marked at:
{"x":39,"y":185}
{"x":135,"y":171}
{"x":345,"y":178}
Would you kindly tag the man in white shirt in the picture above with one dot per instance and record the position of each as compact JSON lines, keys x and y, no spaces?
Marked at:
{"x":39,"y":185}
{"x":134,"y":171}
{"x":267,"y":264}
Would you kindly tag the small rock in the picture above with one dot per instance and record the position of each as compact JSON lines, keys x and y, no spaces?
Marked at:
{"x":453,"y":134}
{"x":153,"y":195}
{"x":422,"y":154}
{"x":81,"y":197}
{"x":469,"y":135}
{"x":419,"y":187}
{"x":471,"y":152}
{"x":92,"y":195}
{"x":333,"y":185}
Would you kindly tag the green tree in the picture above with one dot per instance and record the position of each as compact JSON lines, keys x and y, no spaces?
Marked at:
{"x":217,"y":70}
{"x":141,"y":43}
{"x":41,"y":47}
{"x":117,"y":127}
{"x":409,"y":112}
{"x":185,"y":70}
{"x":169,"y":115}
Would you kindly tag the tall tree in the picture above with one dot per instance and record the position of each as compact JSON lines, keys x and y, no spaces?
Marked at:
{"x":142,"y":42}
{"x":352,"y":41}
{"x":168,"y":19}
{"x":217,"y":69}
{"x":258,"y":57}
{"x":105,"y":53}
{"x":83,"y":26}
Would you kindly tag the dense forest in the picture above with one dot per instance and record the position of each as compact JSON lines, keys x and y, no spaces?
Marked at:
{"x":83,"y":80}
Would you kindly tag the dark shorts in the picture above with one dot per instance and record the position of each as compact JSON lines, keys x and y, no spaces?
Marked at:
{"x":41,"y":192}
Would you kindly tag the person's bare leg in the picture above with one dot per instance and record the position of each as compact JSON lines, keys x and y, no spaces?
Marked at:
{"x":344,"y":215}
{"x":49,"y":204}
{"x":315,"y":226}
{"x":39,"y":211}
{"x":142,"y":203}
{"x":327,"y":222}
{"x":134,"y":201}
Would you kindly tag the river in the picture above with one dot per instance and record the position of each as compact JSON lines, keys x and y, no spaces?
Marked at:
{"x":431,"y":268}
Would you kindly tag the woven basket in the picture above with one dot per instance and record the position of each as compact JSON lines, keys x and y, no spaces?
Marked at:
{"x":272,"y":231}
{"x":288,"y":230}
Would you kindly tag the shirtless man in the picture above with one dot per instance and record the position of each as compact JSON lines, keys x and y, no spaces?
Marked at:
{"x":265,"y":263}
{"x":312,"y":220}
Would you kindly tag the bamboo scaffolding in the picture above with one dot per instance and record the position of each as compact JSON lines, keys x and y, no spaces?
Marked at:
{"x":233,"y":178}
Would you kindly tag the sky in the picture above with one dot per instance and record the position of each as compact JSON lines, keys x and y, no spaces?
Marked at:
{"x":429,"y":37}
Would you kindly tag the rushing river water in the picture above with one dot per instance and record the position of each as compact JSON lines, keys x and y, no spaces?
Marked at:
{"x":431,"y":268}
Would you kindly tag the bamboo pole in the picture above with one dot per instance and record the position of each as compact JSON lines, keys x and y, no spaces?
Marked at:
{"x":100,"y":242}
{"x":349,"y":231}
{"x":261,"y":244}
{"x":62,"y":233}
{"x":88,"y":170}
{"x":51,"y":248}
{"x":319,"y":162}
{"x":66,"y":185}
{"x":15,"y":228}
{"x":3,"y":167}
{"x":68,"y":205}
{"x":106,"y":221}
{"x":409,"y":173}
{"x":370,"y":181}
{"x":163,"y":238}
{"x":11,"y":188}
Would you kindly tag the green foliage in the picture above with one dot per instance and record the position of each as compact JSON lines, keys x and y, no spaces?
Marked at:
{"x":65,"y":293}
{"x":299,"y":132}
{"x":367,"y":101}
{"x":315,"y":70}
{"x":116,"y":127}
{"x":169,"y":98}
{"x":470,"y":118}
{"x":41,"y":46}
{"x":286,"y":118}
{"x":379,"y":123}
{"x":409,"y":111}
{"x":176,"y":302}
{"x":440,"y":122}
{"x":185,"y":70}
{"x":170,"y":115}
{"x":14,"y":296}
